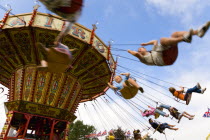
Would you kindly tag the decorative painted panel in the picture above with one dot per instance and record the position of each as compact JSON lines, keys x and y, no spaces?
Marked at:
{"x":43,"y":80}
{"x":18,"y":83}
{"x":7,"y":53}
{"x":74,"y":96}
{"x":96,"y":73}
{"x":55,"y":88}
{"x":29,"y":81}
{"x":68,"y":87}
{"x":48,"y":22}
{"x":100,"y":46}
{"x":13,"y":21}
{"x":23,"y":41}
{"x":87,"y":60}
{"x":45,"y":36}
{"x":43,"y":20}
{"x":39,"y":109}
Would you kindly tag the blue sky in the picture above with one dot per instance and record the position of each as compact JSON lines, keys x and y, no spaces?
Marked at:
{"x":137,"y":21}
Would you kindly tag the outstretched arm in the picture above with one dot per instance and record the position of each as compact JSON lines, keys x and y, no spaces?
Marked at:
{"x":142,"y":113}
{"x":152,"y":42}
{"x":182,"y":89}
{"x":151,"y":107}
{"x":134,"y":53}
{"x":111,"y":86}
{"x":126,"y":74}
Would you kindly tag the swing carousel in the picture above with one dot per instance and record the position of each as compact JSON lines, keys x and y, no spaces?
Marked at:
{"x":41,"y":104}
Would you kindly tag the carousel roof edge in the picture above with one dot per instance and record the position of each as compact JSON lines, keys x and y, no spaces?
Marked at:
{"x":55,"y":16}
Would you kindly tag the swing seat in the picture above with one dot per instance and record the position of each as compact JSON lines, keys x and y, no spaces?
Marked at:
{"x":188,"y":98}
{"x":160,"y":130}
{"x":63,"y":6}
{"x":75,"y":5}
{"x":129,"y":91}
{"x":58,"y":60}
{"x":170,"y":55}
{"x":156,"y":114}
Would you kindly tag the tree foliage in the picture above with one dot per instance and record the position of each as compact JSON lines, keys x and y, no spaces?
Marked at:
{"x":119,"y":134}
{"x":78,"y":130}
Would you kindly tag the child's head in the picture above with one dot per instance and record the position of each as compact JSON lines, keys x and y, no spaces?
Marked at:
{"x":150,"y":120}
{"x":142,"y":50}
{"x":145,"y":111}
{"x":172,"y":90}
{"x":118,"y":79}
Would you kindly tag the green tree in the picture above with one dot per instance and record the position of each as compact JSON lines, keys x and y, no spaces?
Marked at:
{"x":119,"y":134}
{"x":78,"y":130}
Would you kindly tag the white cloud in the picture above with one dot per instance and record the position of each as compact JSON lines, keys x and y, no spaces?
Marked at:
{"x":186,"y":10}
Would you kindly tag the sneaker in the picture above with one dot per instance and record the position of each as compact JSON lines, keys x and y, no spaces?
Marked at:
{"x":203,"y":90}
{"x":198,"y":86}
{"x":190,"y":118}
{"x":203,"y":29}
{"x":188,"y":36}
{"x":141,"y":89}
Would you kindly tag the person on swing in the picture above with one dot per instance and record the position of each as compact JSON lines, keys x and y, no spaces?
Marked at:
{"x":57,"y":59}
{"x":162,"y":126}
{"x":166,"y":52}
{"x":179,"y":94}
{"x":176,"y":113}
{"x":153,"y":111}
{"x":122,"y":81}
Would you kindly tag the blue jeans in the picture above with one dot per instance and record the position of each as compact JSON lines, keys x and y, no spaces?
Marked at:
{"x":164,"y":125}
{"x":165,"y":106}
{"x":160,"y":112}
{"x":190,"y":90}
{"x":194,"y":89}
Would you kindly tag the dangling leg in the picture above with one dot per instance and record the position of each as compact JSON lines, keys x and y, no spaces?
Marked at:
{"x":161,"y":113}
{"x":177,"y":37}
{"x":71,"y":19}
{"x":182,"y":33}
{"x":171,"y":125}
{"x":166,"y":125}
{"x":173,"y":128}
{"x":170,"y":41}
{"x":63,"y":33}
{"x":165,"y":106}
{"x":190,"y":118}
{"x":199,"y":32}
{"x":188,"y":114}
{"x":132,"y":82}
{"x":196,"y":89}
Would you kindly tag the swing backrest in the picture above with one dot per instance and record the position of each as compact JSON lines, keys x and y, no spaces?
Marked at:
{"x":170,"y":55}
{"x":188,"y":98}
{"x":129,"y":91}
{"x":75,"y":5}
